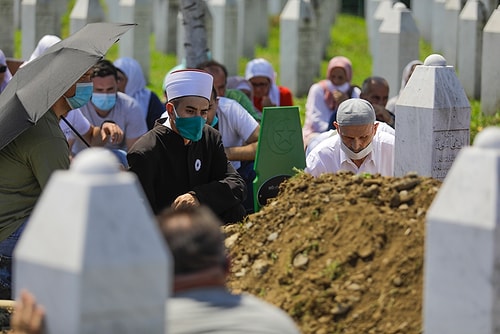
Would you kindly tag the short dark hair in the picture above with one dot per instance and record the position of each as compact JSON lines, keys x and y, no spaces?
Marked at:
{"x":368,"y":82}
{"x":212,"y":63}
{"x":194,"y":237}
{"x":103,"y":68}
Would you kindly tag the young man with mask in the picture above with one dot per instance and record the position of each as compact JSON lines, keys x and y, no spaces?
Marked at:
{"x":358,"y":147}
{"x":108,"y":105}
{"x":181,"y":161}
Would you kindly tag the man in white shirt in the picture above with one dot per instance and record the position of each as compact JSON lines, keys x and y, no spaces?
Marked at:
{"x":358,"y":147}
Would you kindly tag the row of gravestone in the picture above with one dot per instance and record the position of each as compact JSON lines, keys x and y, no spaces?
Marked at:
{"x":93,"y":262}
{"x":467,"y":33}
{"x":234,"y":28}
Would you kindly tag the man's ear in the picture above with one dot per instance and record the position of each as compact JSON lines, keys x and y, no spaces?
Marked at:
{"x":336,"y":125}
{"x":170,"y":109}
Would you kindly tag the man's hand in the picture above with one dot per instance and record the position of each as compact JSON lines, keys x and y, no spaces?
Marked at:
{"x":111,"y":132}
{"x":28,"y":316}
{"x":339,"y":97}
{"x":185,"y":201}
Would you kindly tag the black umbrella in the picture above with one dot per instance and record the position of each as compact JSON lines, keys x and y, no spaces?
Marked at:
{"x":38,"y":85}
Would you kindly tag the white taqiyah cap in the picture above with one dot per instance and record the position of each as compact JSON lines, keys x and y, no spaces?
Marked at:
{"x":355,"y":112}
{"x":188,"y":83}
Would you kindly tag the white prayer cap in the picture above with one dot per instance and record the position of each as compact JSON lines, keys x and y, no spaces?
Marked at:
{"x":259,"y":67}
{"x":188,"y":83}
{"x":355,"y":112}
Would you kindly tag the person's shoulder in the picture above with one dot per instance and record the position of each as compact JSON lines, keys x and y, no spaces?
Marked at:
{"x":126,"y":100}
{"x":285,"y":90}
{"x":384,"y":137}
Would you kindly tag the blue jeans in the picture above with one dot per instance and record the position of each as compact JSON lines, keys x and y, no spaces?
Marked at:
{"x":248,"y":174}
{"x":6,"y":250}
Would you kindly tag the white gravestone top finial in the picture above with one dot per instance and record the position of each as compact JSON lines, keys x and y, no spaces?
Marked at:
{"x":95,"y":161}
{"x":489,"y":138}
{"x":399,"y":6}
{"x":435,"y":60}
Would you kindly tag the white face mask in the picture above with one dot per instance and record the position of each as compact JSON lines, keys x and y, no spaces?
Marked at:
{"x":353,"y":155}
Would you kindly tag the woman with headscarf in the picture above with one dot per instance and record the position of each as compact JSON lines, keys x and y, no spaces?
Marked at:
{"x":260,"y":73}
{"x":324,"y":97}
{"x":43,"y":44}
{"x":132,"y":82}
{"x":407,"y":72}
{"x":5,"y":74}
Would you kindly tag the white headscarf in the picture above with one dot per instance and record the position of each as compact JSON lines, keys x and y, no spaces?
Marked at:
{"x":7,"y":75}
{"x":45,"y":42}
{"x":260,"y":67}
{"x":136,"y":83}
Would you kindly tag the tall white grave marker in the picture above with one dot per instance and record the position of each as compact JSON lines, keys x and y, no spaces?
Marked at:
{"x":247,"y":29}
{"x":299,"y":58}
{"x":462,"y":258}
{"x":420,"y":9}
{"x":136,"y":44}
{"x":438,"y":25}
{"x":85,"y":11}
{"x":7,"y":27}
{"x":470,"y":44}
{"x":490,"y":78}
{"x":383,"y":10}
{"x":399,"y":37}
{"x":92,"y":253}
{"x":433,"y":120}
{"x":452,"y":10}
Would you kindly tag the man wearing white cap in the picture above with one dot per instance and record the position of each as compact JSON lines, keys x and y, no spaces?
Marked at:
{"x":181,"y":161}
{"x":358,"y":147}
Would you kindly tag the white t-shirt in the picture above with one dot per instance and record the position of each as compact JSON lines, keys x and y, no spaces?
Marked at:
{"x":126,"y":113}
{"x":328,"y":157}
{"x":78,"y":121}
{"x":235,"y":124}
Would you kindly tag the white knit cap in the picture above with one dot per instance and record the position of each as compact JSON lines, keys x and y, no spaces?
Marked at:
{"x":259,"y":67}
{"x":355,"y":112}
{"x":188,"y":83}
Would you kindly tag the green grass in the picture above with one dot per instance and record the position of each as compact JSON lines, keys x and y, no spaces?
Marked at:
{"x":349,"y":39}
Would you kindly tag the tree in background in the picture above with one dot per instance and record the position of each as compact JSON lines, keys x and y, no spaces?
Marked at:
{"x":195,"y":43}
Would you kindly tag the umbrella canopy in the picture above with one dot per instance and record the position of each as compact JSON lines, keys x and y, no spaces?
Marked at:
{"x":38,"y":85}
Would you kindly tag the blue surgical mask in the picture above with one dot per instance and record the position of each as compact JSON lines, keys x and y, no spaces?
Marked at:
{"x":104,"y":101}
{"x":190,"y":127}
{"x":214,"y":121}
{"x":82,"y":95}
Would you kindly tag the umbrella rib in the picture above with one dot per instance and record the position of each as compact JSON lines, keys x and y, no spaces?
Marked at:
{"x":75,"y":131}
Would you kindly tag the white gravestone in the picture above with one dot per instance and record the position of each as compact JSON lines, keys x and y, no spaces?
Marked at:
{"x":299,"y":58}
{"x":113,"y":10}
{"x":462,"y":258}
{"x":247,"y":29}
{"x":262,"y":22}
{"x":181,"y":50}
{"x":399,"y":37}
{"x":438,"y":25}
{"x":85,"y":11}
{"x":490,"y":78}
{"x":452,"y":10}
{"x":39,"y":18}
{"x":420,"y":9}
{"x":165,"y":25}
{"x":433,"y":120}
{"x":92,"y":253}
{"x":7,"y":27}
{"x":224,"y":33}
{"x":136,"y":44}
{"x":370,"y":8}
{"x":470,"y":44}
{"x":274,"y":7}
{"x":325,"y":12}
{"x":383,"y":10}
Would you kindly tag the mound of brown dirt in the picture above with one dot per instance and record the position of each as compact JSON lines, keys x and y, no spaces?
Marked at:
{"x":340,"y":253}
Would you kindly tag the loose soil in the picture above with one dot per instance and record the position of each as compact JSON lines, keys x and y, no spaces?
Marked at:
{"x":340,"y":253}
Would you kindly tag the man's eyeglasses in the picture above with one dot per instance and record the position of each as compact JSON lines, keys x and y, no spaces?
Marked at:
{"x":3,"y":68}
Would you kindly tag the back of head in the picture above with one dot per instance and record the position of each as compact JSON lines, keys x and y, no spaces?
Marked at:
{"x":212,"y":67}
{"x":355,"y":112}
{"x":369,"y":82}
{"x":195,"y":239}
{"x":341,"y":62}
{"x":103,"y":68}
{"x":259,"y":67}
